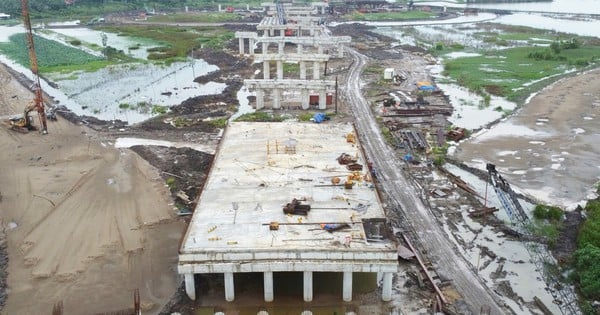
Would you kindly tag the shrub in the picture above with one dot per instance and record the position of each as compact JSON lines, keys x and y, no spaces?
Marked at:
{"x":588,"y":270}
{"x":171,"y":183}
{"x":550,"y":213}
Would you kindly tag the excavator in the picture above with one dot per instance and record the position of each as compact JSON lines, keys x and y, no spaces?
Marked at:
{"x":25,"y":123}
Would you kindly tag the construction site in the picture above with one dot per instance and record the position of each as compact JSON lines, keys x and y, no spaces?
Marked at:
{"x":303,"y":202}
{"x":327,"y":207}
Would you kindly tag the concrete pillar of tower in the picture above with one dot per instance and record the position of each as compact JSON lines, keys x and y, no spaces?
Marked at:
{"x":276,"y":98}
{"x":347,"y":286}
{"x":308,"y":286}
{"x":386,"y":290}
{"x":190,"y":285}
{"x":280,"y":47}
{"x":266,"y":70}
{"x":260,"y":98}
{"x":303,"y":70}
{"x":268,"y":285}
{"x":316,"y":70}
{"x":322,"y":99}
{"x":299,"y":48}
{"x":229,"y":287}
{"x":305,"y":99}
{"x":251,"y":46}
{"x":265,"y":48}
{"x":241,"y":44}
{"x":340,"y":51}
{"x":319,"y":49}
{"x":279,"y":69}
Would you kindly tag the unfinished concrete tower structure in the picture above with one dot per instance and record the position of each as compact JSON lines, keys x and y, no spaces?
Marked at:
{"x":292,"y":26}
{"x":289,"y":197}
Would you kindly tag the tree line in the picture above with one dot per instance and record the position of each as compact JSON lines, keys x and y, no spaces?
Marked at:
{"x":36,"y":7}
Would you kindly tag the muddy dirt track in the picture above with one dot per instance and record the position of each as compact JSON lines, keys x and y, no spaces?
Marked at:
{"x":87,"y":223}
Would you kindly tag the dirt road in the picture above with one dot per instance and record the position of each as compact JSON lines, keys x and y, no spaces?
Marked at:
{"x":86,"y":223}
{"x":409,"y":212}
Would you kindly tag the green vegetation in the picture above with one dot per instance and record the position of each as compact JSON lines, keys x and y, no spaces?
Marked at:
{"x":389,"y":16}
{"x":587,"y":269}
{"x":218,"y":123}
{"x":505,"y":72}
{"x":196,"y":17}
{"x":305,"y":116}
{"x":439,"y":155}
{"x":176,"y":42}
{"x":261,"y":116}
{"x":158,"y":109}
{"x":547,"y":222}
{"x":549,"y":213}
{"x":88,"y":9}
{"x":291,"y":68}
{"x":171,"y":183}
{"x":523,"y":35}
{"x":51,"y":55}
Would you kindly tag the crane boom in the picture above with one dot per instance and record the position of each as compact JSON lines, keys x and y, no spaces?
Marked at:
{"x":38,"y":101}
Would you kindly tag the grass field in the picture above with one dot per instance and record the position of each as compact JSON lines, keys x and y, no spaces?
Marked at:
{"x":512,"y":73}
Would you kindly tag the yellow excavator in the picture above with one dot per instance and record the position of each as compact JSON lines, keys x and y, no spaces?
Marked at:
{"x":24,"y":124}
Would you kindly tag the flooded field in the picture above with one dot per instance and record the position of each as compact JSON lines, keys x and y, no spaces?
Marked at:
{"x":131,"y":92}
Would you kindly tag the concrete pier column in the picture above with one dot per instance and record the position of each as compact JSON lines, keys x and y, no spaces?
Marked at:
{"x":386,"y":290}
{"x":276,"y":98}
{"x":265,"y":48}
{"x":347,"y":286}
{"x":268,"y":285}
{"x":280,"y":47}
{"x":260,"y":99}
{"x":251,"y":46}
{"x":322,"y":99}
{"x":308,"y":286}
{"x":299,"y":48}
{"x":229,"y":287}
{"x":279,"y":69}
{"x":190,"y":285}
{"x":241,"y":44}
{"x":340,"y":51}
{"x":266,"y":70}
{"x":316,"y":70}
{"x":303,"y":70}
{"x":304,"y":96}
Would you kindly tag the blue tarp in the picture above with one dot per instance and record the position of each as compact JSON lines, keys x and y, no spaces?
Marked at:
{"x":320,"y":117}
{"x":426,"y":88}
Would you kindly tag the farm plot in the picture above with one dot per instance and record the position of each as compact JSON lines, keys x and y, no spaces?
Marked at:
{"x":52,"y":56}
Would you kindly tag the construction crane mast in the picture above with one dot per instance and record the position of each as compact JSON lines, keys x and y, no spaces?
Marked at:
{"x":563,"y":294}
{"x":38,"y":102}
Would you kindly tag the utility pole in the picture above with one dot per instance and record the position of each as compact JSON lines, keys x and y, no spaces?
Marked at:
{"x":336,"y":94}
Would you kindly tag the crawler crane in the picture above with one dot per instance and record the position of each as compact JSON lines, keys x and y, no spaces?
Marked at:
{"x":24,"y":124}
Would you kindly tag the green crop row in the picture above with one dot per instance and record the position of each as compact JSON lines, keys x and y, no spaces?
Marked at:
{"x":50,"y":54}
